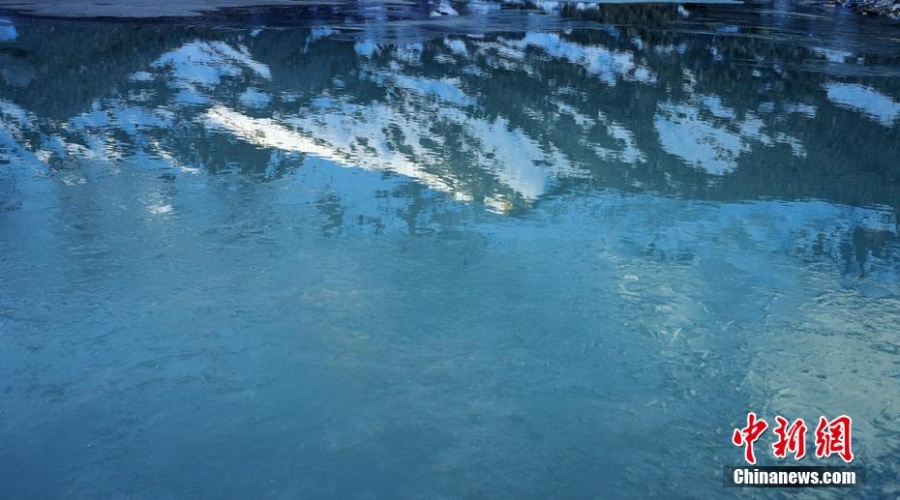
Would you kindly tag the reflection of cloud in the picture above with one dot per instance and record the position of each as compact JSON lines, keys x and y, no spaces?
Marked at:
{"x":866,"y":100}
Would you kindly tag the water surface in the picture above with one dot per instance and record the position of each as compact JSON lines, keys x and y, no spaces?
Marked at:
{"x":392,"y":252}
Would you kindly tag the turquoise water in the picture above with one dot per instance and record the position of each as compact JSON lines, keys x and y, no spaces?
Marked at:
{"x":371,"y":252}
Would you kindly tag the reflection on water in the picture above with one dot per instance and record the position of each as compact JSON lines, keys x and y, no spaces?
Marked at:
{"x":571,"y":246}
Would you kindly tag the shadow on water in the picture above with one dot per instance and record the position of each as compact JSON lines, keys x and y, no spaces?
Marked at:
{"x":411,"y":243}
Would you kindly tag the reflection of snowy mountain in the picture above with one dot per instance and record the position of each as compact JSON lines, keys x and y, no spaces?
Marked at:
{"x":200,"y":66}
{"x":708,"y":136}
{"x":7,"y":30}
{"x":608,"y":65}
{"x":504,"y":120}
{"x":866,"y":100}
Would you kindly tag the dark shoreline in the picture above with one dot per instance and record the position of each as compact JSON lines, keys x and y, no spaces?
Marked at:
{"x":236,"y":10}
{"x":148,"y":9}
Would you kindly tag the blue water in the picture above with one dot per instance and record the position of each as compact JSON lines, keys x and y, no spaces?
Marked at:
{"x":541,"y":252}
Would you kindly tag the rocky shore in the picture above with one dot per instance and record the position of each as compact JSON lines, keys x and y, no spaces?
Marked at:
{"x":877,"y":7}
